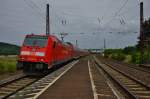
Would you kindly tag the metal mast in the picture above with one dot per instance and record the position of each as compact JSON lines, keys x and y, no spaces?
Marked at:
{"x":47,"y":20}
{"x":141,"y":33}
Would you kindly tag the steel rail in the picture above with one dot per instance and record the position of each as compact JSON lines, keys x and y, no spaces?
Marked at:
{"x":11,"y":87}
{"x":132,"y":93}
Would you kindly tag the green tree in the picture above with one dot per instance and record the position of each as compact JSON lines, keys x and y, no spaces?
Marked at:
{"x":8,"y":49}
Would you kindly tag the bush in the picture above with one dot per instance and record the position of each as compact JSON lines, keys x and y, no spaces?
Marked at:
{"x":109,"y":52}
{"x":118,"y":56}
{"x":121,"y":56}
{"x":136,"y":57}
{"x":114,"y":56}
{"x":147,"y":57}
{"x":129,"y":50}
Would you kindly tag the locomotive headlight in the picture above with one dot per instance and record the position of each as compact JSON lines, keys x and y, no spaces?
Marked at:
{"x":39,"y":53}
{"x":25,"y":53}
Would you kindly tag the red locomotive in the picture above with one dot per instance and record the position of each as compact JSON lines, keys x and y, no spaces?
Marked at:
{"x":42,"y":52}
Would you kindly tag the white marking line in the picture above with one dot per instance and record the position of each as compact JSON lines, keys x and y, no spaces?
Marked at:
{"x":113,"y":90}
{"x":92,"y":82}
{"x":104,"y":95}
{"x":109,"y":82}
{"x":54,"y":80}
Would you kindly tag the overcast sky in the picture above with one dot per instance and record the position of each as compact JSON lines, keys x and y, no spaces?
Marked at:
{"x":88,"y":21}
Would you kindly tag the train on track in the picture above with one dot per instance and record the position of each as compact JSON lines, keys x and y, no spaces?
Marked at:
{"x":40,"y":53}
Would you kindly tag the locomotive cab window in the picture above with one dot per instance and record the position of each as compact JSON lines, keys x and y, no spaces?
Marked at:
{"x":39,"y":41}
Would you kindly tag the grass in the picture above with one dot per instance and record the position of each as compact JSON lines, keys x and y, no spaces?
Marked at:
{"x":7,"y":64}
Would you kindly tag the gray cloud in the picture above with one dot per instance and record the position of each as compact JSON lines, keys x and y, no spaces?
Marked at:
{"x":21,"y":17}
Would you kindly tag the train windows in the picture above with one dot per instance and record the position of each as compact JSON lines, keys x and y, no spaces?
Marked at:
{"x":39,"y":41}
{"x":54,"y":44}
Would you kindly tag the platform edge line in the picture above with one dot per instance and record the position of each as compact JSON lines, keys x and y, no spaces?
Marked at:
{"x":35,"y":97}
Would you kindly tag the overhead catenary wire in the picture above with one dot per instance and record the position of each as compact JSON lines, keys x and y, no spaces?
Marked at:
{"x":117,"y":13}
{"x":34,"y":7}
{"x":59,"y":17}
{"x":99,"y":20}
{"x":40,"y":12}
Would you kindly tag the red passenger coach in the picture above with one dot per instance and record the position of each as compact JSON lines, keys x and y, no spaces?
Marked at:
{"x":41,"y":52}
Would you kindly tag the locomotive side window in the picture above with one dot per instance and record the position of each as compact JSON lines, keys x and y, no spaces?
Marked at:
{"x":35,"y":41}
{"x":54,"y":44}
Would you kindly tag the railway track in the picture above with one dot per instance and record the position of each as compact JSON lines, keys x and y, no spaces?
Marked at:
{"x":140,"y":68}
{"x":130,"y":65}
{"x":118,"y":63}
{"x":100,"y":85}
{"x":12,"y":78}
{"x":35,"y":89}
{"x":14,"y":84}
{"x":132,"y":86}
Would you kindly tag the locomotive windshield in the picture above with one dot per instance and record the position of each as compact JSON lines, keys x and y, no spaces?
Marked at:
{"x":39,"y":41}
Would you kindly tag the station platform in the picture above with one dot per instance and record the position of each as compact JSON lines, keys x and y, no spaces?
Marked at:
{"x":75,"y":84}
{"x":82,"y":81}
